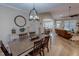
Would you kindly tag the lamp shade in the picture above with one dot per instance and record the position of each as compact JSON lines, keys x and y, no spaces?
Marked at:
{"x":33,"y":15}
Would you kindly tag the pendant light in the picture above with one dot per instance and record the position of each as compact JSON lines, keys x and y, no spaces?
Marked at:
{"x":33,"y":15}
{"x":69,"y":17}
{"x":69,"y":11}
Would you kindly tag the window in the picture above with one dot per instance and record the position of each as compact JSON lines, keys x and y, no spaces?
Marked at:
{"x":66,"y":25}
{"x":48,"y":24}
{"x":70,"y":25}
{"x":58,"y":24}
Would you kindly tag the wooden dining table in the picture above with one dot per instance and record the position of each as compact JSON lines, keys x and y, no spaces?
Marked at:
{"x":23,"y":47}
{"x":1,"y":52}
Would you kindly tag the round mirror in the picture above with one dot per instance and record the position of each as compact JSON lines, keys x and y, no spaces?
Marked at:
{"x":20,"y":21}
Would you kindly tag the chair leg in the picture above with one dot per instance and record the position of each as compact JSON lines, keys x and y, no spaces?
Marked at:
{"x":40,"y":54}
{"x":43,"y":51}
{"x":47,"y":48}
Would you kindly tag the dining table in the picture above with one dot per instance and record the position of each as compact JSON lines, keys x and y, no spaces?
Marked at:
{"x":1,"y":53}
{"x":23,"y":47}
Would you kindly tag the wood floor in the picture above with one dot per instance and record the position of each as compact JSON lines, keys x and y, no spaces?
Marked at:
{"x":61,"y":47}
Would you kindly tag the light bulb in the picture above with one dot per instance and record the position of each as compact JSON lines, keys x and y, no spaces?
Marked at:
{"x":36,"y":17}
{"x":31,"y":17}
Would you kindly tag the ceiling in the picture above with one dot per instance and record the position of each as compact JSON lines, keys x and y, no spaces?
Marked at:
{"x":57,"y":9}
{"x":40,"y":7}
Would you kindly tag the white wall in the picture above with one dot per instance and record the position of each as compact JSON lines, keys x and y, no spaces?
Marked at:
{"x":7,"y":16}
{"x":47,"y":17}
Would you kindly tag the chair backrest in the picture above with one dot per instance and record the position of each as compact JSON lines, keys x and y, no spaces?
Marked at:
{"x":23,"y":36}
{"x":37,"y":44}
{"x":46,"y":39}
{"x":4,"y":50}
{"x":32,"y":34}
{"x":47,"y":31}
{"x":36,"y":48}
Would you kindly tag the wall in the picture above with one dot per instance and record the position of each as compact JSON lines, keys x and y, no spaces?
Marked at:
{"x":47,"y":17}
{"x":50,"y":16}
{"x":7,"y":16}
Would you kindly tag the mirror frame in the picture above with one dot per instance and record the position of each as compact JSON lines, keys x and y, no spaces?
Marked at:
{"x":16,"y":22}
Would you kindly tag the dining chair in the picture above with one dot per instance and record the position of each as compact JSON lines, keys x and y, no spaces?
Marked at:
{"x":37,"y":49}
{"x":47,"y":31}
{"x":4,"y":50}
{"x":33,"y":36}
{"x":45,"y":43}
{"x":23,"y":36}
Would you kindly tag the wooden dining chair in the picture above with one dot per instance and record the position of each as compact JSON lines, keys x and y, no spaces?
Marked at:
{"x":23,"y":36}
{"x":45,"y":43}
{"x":4,"y":50}
{"x":37,"y":48}
{"x":33,"y":36}
{"x":47,"y":31}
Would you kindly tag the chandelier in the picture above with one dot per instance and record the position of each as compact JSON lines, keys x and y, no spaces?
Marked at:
{"x":69,"y":11}
{"x":33,"y":15}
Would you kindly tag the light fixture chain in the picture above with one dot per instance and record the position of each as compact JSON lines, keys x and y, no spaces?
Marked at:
{"x":69,"y":10}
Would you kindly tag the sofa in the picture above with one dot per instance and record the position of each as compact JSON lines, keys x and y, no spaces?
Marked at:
{"x":63,"y":33}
